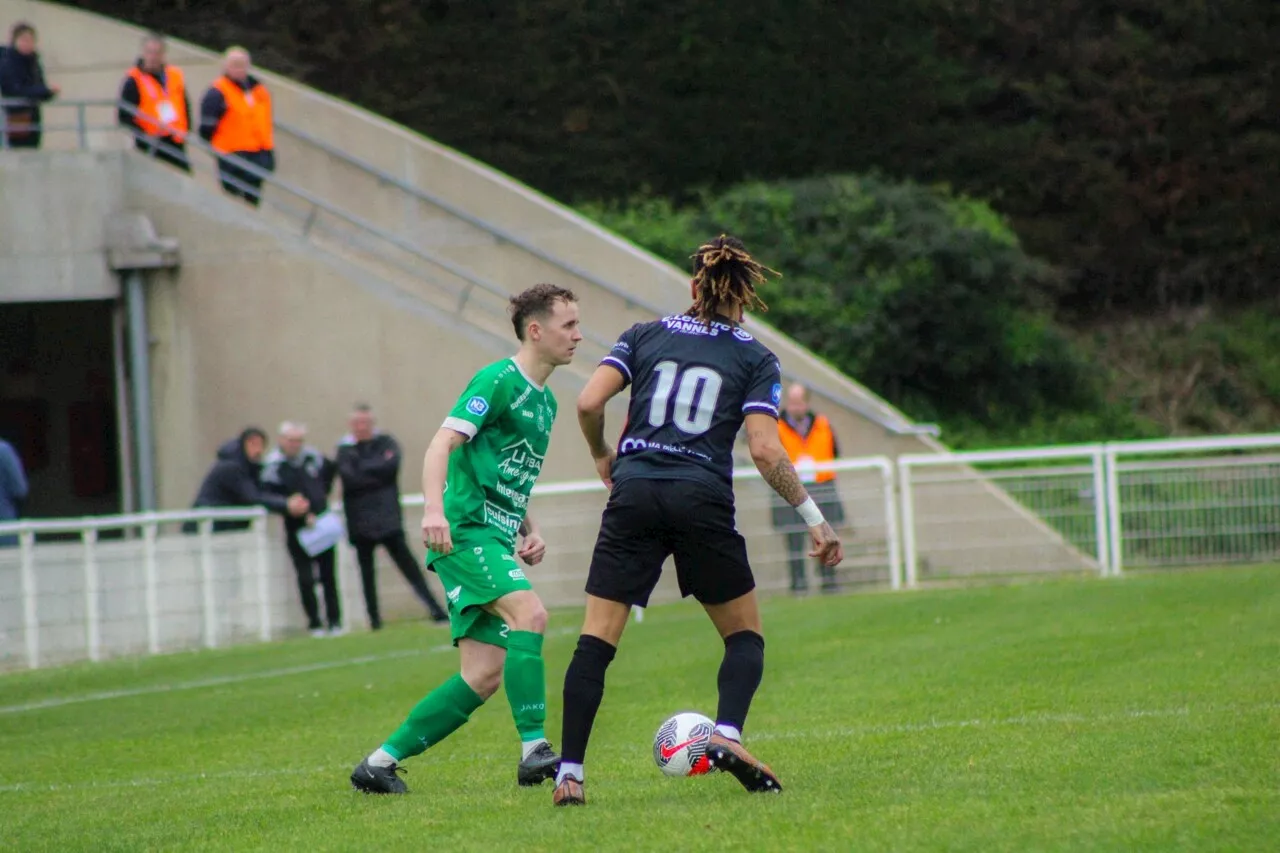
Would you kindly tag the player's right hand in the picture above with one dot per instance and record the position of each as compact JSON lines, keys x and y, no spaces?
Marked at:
{"x":435,"y":531}
{"x":826,"y":545}
{"x":604,"y":468}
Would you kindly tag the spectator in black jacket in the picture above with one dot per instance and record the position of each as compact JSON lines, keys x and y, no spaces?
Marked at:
{"x":294,"y":468}
{"x":22,"y":76}
{"x":369,"y":465}
{"x":233,"y":481}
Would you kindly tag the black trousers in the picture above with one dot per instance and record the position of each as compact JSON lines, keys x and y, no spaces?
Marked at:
{"x":238,"y":182}
{"x":310,"y":569}
{"x":399,"y":551}
{"x":166,"y":150}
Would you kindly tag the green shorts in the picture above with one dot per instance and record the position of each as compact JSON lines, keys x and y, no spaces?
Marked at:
{"x":474,"y":576}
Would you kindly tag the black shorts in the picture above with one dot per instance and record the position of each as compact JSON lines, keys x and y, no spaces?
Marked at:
{"x":647,"y":521}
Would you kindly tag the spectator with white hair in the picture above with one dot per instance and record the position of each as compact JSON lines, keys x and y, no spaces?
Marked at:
{"x":235,"y":118}
{"x":295,"y":468}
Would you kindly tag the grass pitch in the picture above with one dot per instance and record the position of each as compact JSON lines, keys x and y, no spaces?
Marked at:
{"x":1132,"y":714}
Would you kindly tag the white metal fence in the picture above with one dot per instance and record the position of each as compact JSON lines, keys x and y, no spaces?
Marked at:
{"x":79,"y":589}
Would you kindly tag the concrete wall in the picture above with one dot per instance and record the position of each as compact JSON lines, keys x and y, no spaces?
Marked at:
{"x":222,"y":319}
{"x":53,"y":213}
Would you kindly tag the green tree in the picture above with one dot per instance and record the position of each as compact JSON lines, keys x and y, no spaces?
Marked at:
{"x":925,"y":297}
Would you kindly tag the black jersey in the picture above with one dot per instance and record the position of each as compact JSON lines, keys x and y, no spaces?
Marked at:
{"x":691,"y":386}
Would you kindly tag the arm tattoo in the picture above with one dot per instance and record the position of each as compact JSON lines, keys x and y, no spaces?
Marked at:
{"x":786,"y":482}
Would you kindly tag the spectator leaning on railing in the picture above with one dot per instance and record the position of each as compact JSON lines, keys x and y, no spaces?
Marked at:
{"x":235,"y":118}
{"x":22,"y":77}
{"x":233,"y":482}
{"x":161,"y":112}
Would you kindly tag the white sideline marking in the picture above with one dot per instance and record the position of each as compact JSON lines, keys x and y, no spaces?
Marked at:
{"x":206,"y":682}
{"x":1024,"y":720}
{"x":236,"y":679}
{"x":899,"y":728}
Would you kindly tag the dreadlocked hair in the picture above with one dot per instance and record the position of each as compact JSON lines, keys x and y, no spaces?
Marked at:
{"x":725,"y":274}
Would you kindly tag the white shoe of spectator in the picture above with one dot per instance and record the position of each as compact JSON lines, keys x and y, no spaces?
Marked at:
{"x":317,"y":632}
{"x":337,"y":631}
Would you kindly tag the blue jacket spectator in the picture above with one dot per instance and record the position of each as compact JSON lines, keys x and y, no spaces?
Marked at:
{"x":13,"y":488}
{"x":22,"y":76}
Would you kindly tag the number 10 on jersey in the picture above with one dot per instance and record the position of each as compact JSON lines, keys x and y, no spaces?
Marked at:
{"x":696,"y":389}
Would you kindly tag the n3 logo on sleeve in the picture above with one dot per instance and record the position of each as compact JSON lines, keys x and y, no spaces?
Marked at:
{"x":477,"y":406}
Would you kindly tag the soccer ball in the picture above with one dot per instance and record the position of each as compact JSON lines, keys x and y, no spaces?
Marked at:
{"x":680,"y":746}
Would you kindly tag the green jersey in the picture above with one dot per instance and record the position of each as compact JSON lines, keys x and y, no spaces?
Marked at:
{"x":507,"y":421}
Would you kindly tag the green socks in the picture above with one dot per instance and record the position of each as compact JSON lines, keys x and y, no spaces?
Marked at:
{"x":525,"y":675}
{"x":440,"y":714}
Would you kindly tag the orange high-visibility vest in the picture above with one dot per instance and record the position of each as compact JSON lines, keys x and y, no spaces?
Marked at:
{"x":246,"y":125}
{"x":167,"y":107}
{"x":804,"y":451}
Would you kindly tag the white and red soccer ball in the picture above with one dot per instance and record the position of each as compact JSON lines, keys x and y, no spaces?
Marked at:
{"x":680,"y":746}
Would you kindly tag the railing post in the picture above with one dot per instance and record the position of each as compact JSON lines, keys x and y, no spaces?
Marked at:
{"x":1116,"y":532}
{"x":1100,"y":519}
{"x":311,"y":219}
{"x":30,"y":615}
{"x":908,"y":519}
{"x":206,"y":583}
{"x":93,"y":616}
{"x":151,"y":592}
{"x":891,"y":524}
{"x":264,"y":580}
{"x":82,"y":130}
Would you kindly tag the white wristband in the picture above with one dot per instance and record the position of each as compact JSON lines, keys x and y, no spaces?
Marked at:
{"x":810,"y":513}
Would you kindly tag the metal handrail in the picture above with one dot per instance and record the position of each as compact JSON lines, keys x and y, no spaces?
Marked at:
{"x":506,"y":236}
{"x":867,"y":410}
{"x":315,"y":202}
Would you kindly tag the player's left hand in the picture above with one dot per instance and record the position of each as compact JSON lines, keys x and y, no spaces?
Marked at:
{"x":532,"y":550}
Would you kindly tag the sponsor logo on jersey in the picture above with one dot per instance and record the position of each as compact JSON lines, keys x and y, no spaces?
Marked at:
{"x":477,"y":406}
{"x":524,"y":395}
{"x":776,"y":393}
{"x":518,"y":498}
{"x":742,"y":334}
{"x":685,"y":325}
{"x":639,"y":445}
{"x":622,"y":347}
{"x":520,"y":464}
{"x":496,"y":516}
{"x":516,"y":574}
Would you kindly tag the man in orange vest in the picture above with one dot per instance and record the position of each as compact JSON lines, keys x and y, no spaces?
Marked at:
{"x":160,"y":114}
{"x":235,"y":118}
{"x":809,"y":440}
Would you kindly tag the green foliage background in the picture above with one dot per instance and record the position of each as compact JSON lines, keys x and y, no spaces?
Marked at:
{"x":1130,"y":147}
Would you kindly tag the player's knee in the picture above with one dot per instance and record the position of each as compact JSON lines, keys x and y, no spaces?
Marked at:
{"x":529,"y":615}
{"x":535,"y":618}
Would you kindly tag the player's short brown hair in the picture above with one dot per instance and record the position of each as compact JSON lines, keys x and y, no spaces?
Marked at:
{"x":725,"y":274}
{"x":536,"y":303}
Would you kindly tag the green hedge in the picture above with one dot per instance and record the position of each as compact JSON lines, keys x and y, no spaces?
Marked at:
{"x":924,"y":296}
